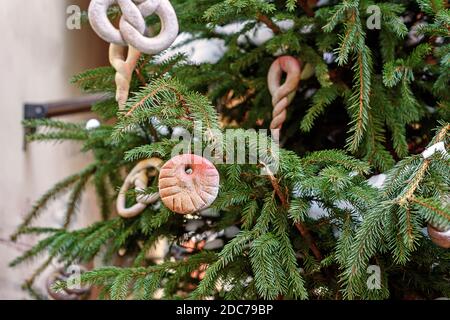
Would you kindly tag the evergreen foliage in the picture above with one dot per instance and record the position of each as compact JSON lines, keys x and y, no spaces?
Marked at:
{"x":370,"y":108}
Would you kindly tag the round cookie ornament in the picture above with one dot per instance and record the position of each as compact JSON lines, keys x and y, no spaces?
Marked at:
{"x":188,"y":183}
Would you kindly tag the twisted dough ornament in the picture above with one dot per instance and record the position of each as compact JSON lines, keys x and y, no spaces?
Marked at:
{"x":282,"y":94}
{"x":124,"y":70}
{"x":132,"y":27}
{"x":188,"y":183}
{"x":139,"y":178}
{"x":439,"y":237}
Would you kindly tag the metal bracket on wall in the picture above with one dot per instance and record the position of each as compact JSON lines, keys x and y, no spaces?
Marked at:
{"x":56,"y":109}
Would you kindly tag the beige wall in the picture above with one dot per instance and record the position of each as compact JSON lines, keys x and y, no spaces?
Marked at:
{"x":38,"y":57}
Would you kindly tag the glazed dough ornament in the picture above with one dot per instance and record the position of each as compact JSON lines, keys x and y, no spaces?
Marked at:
{"x":132,"y":34}
{"x":439,"y":237}
{"x":124,"y":70}
{"x":188,"y":183}
{"x":138,"y":177}
{"x":282,"y":94}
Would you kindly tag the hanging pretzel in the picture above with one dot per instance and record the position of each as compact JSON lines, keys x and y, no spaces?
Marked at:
{"x":132,"y":27}
{"x":282,"y":94}
{"x":138,"y":177}
{"x":132,"y":34}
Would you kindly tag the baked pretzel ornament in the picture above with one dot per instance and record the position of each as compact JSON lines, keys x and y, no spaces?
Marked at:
{"x":188,"y":183}
{"x":139,"y":178}
{"x":282,"y":94}
{"x":132,"y":33}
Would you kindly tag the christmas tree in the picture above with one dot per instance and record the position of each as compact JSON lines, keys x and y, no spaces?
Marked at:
{"x":372,"y":99}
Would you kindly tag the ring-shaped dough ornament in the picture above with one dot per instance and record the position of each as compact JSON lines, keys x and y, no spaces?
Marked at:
{"x":139,"y":178}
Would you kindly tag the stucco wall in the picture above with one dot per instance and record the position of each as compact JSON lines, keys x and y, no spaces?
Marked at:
{"x":38,"y":57}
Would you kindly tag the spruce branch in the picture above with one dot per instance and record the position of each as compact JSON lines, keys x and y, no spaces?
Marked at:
{"x":268,"y":22}
{"x":360,"y":101}
{"x":96,"y":80}
{"x":75,"y":197}
{"x":58,"y":189}
{"x":408,"y":195}
{"x":299,"y":225}
{"x":436,"y":209}
{"x":51,"y":124}
{"x":30,"y":281}
{"x":418,"y":177}
{"x":394,"y":220}
{"x":172,"y":104}
{"x":150,"y":95}
{"x":307,"y":6}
